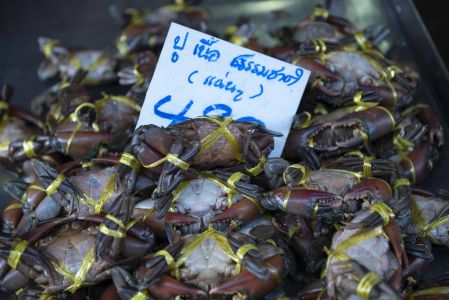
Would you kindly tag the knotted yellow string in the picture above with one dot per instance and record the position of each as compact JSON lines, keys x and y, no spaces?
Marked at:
{"x":171,"y":158}
{"x":305,"y":174}
{"x":366,"y":284}
{"x":222,"y":129}
{"x":338,"y":253}
{"x":80,"y":276}
{"x":74,"y":117}
{"x":141,"y":295}
{"x":130,"y":160}
{"x":120,"y":233}
{"x":28,"y":146}
{"x":17,"y":249}
{"x":119,"y":99}
{"x":440,"y":290}
{"x":384,"y":211}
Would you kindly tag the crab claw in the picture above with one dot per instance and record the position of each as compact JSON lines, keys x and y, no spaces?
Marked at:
{"x":303,"y":202}
{"x":297,"y":146}
{"x":418,"y":163}
{"x":243,"y":210}
{"x":158,"y":225}
{"x":167,"y":288}
{"x":371,"y":189}
{"x":251,"y":285}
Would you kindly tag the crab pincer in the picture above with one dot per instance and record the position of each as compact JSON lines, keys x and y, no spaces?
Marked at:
{"x":303,"y":202}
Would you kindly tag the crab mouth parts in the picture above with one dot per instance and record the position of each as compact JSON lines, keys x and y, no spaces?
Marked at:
{"x":331,"y":137}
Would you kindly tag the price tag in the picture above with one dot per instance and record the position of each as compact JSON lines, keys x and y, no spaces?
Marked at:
{"x":200,"y":75}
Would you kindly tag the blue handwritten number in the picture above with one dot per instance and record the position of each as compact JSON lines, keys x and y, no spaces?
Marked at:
{"x":251,"y":119}
{"x":174,"y":118}
{"x":214,"y":107}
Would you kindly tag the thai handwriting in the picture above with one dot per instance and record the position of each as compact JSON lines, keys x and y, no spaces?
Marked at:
{"x":176,"y":46}
{"x":245,"y":63}
{"x":203,"y":50}
{"x":226,"y":84}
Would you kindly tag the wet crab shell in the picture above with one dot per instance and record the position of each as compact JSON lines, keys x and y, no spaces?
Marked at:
{"x":195,"y":205}
{"x":222,"y":153}
{"x":373,"y":253}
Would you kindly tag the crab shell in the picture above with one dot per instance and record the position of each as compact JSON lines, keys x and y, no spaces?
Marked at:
{"x":12,"y":129}
{"x":429,"y":209}
{"x":374,"y":253}
{"x":200,"y":202}
{"x":221,"y":153}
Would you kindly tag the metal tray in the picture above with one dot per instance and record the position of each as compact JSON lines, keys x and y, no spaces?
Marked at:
{"x":88,"y":23}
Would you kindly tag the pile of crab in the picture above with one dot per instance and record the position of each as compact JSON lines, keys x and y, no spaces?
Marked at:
{"x":200,"y":209}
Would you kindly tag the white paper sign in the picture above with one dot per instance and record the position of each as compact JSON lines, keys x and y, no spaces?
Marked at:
{"x":198,"y":74}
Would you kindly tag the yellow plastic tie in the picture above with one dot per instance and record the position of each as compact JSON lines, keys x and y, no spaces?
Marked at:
{"x":258,"y":168}
{"x":401,"y":182}
{"x":315,"y":210}
{"x":83,"y":270}
{"x":233,"y":179}
{"x":338,"y":253}
{"x":107,"y":193}
{"x":319,"y":12}
{"x":13,"y":206}
{"x":305,"y":174}
{"x":367,"y":167}
{"x":168,"y":258}
{"x":307,"y":122}
{"x":173,"y":159}
{"x":53,"y":187}
{"x":120,"y":99}
{"x":222,"y":129}
{"x":366,"y":284}
{"x":220,"y":240}
{"x":45,"y":296}
{"x":4,"y":105}
{"x":384,"y":211}
{"x":141,"y":295}
{"x":28,"y":146}
{"x":121,"y":233}
{"x":390,"y":116}
{"x":411,"y":169}
{"x":361,"y":105}
{"x":241,"y":252}
{"x":361,"y":40}
{"x":74,"y":117}
{"x":286,"y":198}
{"x":440,"y":290}
{"x":47,"y":48}
{"x":17,"y":249}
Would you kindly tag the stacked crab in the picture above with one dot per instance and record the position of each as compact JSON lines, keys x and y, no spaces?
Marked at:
{"x":199,"y":209}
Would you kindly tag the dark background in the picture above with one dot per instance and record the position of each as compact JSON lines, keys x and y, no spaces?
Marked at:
{"x":88,"y":23}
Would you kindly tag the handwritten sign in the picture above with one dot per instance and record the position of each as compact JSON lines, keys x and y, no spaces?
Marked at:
{"x":198,"y":74}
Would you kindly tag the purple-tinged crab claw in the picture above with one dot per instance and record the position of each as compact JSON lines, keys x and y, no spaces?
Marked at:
{"x":303,"y":202}
{"x":371,"y":189}
{"x":243,"y":210}
{"x":249,"y":284}
{"x":158,"y":225}
{"x":167,"y":288}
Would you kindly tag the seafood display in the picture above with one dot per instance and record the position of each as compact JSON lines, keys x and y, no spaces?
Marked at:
{"x":201,"y":209}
